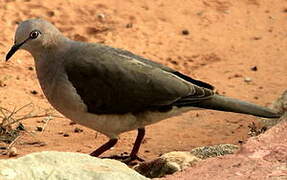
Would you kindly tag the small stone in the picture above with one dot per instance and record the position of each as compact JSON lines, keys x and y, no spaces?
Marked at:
{"x":51,"y":13}
{"x":34,"y":92}
{"x":66,"y":135}
{"x":39,"y":128}
{"x":12,"y":152}
{"x":247,"y":79}
{"x":78,"y":130}
{"x":2,"y":84}
{"x":101,"y":17}
{"x":185,"y":32}
{"x":60,"y":132}
{"x":30,"y":68}
{"x":254,"y":68}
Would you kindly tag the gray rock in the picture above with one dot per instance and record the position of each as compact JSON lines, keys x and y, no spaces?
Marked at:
{"x":214,"y":151}
{"x":65,"y":166}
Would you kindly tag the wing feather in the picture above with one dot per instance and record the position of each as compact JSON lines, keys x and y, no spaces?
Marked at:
{"x":110,"y":82}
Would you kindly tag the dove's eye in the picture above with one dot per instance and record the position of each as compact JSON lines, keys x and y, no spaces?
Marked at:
{"x":34,"y":34}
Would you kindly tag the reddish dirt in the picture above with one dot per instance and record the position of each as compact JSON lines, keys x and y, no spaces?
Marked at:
{"x":222,"y":41}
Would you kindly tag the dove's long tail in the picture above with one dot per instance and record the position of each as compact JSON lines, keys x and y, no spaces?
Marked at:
{"x":222,"y":103}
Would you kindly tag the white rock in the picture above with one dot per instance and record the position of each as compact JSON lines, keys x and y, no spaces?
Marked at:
{"x":63,"y":165}
{"x":247,"y":79}
{"x":179,"y":159}
{"x":168,"y":163}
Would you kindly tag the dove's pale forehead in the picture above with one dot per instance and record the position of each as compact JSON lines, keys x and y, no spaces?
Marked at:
{"x":26,"y":27}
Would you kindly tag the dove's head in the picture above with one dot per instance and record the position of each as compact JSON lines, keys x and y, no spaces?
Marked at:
{"x":35,"y":35}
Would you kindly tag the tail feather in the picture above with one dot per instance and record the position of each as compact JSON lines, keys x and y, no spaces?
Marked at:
{"x":222,"y":103}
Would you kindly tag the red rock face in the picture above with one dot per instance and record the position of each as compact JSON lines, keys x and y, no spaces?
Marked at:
{"x":262,"y":157}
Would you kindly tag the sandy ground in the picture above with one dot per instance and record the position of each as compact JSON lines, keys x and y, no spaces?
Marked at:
{"x":213,"y":40}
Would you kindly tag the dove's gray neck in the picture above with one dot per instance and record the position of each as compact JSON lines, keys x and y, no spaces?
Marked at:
{"x":54,"y":47}
{"x":48,"y":63}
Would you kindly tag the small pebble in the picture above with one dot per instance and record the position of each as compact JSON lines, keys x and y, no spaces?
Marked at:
{"x":101,"y":17}
{"x":2,"y":84}
{"x":39,"y":128}
{"x":247,"y":79}
{"x":12,"y":152}
{"x":34,"y":92}
{"x":60,"y":132}
{"x":254,"y":68}
{"x":66,"y":135}
{"x":30,"y":68}
{"x":51,"y":13}
{"x":78,"y":130}
{"x":185,"y":32}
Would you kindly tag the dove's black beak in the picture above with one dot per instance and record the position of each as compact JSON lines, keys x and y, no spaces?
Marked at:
{"x":14,"y":48}
{"x":12,"y":51}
